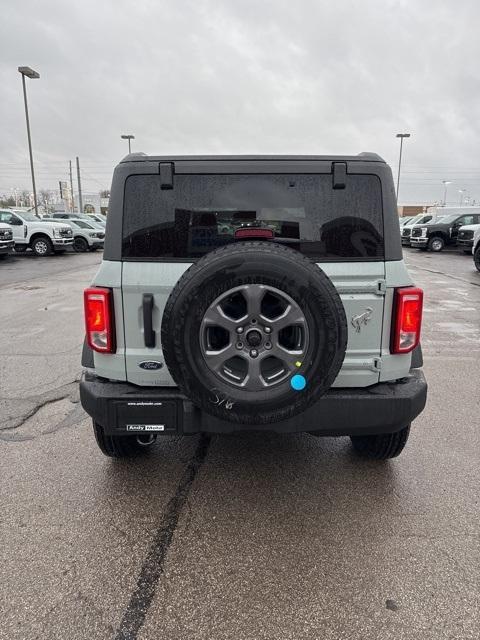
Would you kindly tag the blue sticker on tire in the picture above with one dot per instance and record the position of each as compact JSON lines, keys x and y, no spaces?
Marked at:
{"x":298,"y":382}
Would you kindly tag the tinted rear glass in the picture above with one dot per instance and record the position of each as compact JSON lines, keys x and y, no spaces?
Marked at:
{"x":203,"y":212}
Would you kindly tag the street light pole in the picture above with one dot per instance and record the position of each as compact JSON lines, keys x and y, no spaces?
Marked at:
{"x":128,"y":137}
{"x":401,"y":136}
{"x":30,"y":73}
{"x":445,"y":184}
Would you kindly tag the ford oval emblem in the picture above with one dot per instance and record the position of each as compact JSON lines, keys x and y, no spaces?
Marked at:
{"x":150,"y":365}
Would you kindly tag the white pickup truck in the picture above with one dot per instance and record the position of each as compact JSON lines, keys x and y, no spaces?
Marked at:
{"x":44,"y":238}
{"x":6,"y":240}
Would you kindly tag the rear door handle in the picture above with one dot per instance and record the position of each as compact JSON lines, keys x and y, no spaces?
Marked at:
{"x":148,"y":331}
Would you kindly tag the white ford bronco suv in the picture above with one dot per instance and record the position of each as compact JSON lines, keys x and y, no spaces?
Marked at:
{"x":43,"y":237}
{"x":253,"y":293}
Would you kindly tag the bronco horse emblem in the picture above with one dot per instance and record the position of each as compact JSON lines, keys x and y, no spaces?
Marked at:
{"x":362,"y":318}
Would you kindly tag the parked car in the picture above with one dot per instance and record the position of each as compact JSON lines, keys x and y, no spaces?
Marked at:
{"x":298,"y":316}
{"x":404,"y":220}
{"x":465,"y":237}
{"x":6,"y":240}
{"x":440,"y":232}
{"x":406,"y":229}
{"x":476,"y":248}
{"x":44,"y":237}
{"x":87,"y":234}
{"x":65,"y":215}
{"x":93,"y":217}
{"x":97,"y":217}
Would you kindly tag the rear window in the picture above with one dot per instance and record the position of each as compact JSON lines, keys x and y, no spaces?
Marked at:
{"x":203,"y":212}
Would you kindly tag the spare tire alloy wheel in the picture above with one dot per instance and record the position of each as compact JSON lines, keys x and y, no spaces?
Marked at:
{"x":254,"y":333}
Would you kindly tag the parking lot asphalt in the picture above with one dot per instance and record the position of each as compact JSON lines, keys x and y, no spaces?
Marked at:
{"x":246,"y":536}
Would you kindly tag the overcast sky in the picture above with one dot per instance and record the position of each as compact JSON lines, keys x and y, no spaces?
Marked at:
{"x":243,"y":76}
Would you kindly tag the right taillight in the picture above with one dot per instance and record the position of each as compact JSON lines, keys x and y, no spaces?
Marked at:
{"x":99,"y":324}
{"x":407,"y":319}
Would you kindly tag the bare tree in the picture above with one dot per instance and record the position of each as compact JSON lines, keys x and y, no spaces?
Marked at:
{"x":7,"y":201}
{"x":25,"y":198}
{"x":44,"y":199}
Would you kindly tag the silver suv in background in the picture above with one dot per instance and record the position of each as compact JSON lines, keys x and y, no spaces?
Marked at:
{"x":87,"y":234}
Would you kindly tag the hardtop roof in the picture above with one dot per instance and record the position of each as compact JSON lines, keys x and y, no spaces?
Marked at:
{"x":361,"y":157}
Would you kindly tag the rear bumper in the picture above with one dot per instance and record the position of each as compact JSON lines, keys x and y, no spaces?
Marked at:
{"x":123,"y":408}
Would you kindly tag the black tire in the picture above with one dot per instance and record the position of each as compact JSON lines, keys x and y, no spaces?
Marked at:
{"x":120,"y":446}
{"x":238,"y":266}
{"x":42,"y":246}
{"x":476,"y":258}
{"x":381,"y":446}
{"x":80,"y":245}
{"x":436,"y":244}
{"x":21,"y":248}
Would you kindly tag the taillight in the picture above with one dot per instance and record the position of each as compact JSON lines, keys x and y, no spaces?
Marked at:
{"x":407,"y":319}
{"x":99,"y":323}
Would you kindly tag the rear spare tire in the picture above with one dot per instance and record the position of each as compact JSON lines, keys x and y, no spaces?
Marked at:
{"x":254,"y":333}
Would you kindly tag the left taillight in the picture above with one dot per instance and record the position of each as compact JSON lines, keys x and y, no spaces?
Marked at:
{"x":407,"y":319}
{"x":99,"y":325}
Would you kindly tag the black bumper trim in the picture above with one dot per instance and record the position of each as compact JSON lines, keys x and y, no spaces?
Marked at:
{"x":386,"y":407}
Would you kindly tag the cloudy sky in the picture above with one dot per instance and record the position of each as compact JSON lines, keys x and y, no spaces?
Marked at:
{"x":243,"y":76}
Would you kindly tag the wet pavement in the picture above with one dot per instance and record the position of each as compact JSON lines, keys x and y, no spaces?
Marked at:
{"x":254,"y":536}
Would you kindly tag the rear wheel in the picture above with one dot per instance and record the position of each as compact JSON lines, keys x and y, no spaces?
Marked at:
{"x":80,"y":245}
{"x":42,"y":246}
{"x":436,"y":244}
{"x":122,"y":446}
{"x":381,"y":446}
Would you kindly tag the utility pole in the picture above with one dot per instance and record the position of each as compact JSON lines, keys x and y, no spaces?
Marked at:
{"x":72,"y":199}
{"x":80,"y":203}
